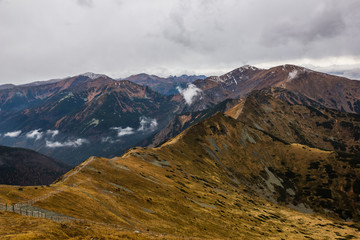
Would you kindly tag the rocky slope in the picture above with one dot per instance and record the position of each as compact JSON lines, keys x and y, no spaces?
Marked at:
{"x":322,"y":128}
{"x":212,"y":181}
{"x":185,"y":120}
{"x":25,"y":167}
{"x":324,"y":89}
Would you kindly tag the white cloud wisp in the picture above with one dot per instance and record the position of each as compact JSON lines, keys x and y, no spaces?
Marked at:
{"x":123,"y":131}
{"x":12,"y":134}
{"x":52,"y":133}
{"x":35,"y":134}
{"x":69,"y":143}
{"x":189,"y":93}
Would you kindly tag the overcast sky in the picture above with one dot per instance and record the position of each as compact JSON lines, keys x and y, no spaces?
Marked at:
{"x":47,"y":39}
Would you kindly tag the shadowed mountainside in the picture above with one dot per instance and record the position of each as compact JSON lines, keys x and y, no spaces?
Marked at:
{"x":209,"y":182}
{"x":26,"y":167}
{"x":81,"y":116}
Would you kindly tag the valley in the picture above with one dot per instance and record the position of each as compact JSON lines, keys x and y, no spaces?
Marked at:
{"x":246,"y":155}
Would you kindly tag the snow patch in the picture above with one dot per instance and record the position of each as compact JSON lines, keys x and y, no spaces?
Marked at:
{"x":247,"y":67}
{"x":215,"y":79}
{"x":12,"y":134}
{"x":69,"y":143}
{"x":235,"y":81}
{"x":189,"y":93}
{"x":93,"y":76}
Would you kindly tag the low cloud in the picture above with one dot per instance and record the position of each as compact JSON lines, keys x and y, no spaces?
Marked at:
{"x":109,"y":140}
{"x":147,"y":124}
{"x":35,"y":134}
{"x":292,"y":75}
{"x":189,"y":93}
{"x":324,"y":23}
{"x":123,"y":131}
{"x":52,"y":133}
{"x":12,"y":134}
{"x":69,"y":143}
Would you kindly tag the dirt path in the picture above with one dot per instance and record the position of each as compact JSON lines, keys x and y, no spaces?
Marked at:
{"x":78,"y":169}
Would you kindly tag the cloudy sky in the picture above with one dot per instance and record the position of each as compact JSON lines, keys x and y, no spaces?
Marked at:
{"x":47,"y":39}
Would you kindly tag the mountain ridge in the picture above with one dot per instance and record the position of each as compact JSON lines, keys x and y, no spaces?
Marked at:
{"x":216,"y":176}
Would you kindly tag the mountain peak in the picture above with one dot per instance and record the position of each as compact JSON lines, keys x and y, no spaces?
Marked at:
{"x":93,"y":75}
{"x":248,"y":67}
{"x":290,"y":67}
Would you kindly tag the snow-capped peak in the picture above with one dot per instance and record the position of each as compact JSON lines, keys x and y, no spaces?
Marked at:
{"x":247,"y":67}
{"x":93,"y":75}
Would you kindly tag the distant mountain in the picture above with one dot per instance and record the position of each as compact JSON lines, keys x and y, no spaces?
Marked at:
{"x":6,"y":86}
{"x":349,"y":73}
{"x":240,"y":156}
{"x":33,"y":94}
{"x":25,"y":167}
{"x":166,"y":86}
{"x":91,"y":115}
{"x":327,"y":90}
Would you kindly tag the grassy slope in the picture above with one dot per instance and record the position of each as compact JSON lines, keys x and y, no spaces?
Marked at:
{"x":195,"y":185}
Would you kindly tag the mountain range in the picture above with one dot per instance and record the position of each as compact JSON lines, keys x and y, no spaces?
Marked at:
{"x":165,"y":86}
{"x":92,"y":114}
{"x":252,"y":154}
{"x":220,"y":178}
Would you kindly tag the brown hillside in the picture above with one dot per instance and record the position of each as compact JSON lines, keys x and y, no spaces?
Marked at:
{"x":209,"y":182}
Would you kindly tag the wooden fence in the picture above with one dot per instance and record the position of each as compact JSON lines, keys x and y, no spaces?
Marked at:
{"x":29,"y":210}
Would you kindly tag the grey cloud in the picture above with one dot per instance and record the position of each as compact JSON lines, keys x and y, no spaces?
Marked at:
{"x":193,"y":25}
{"x":43,"y":39}
{"x":328,"y":23}
{"x":85,"y":3}
{"x":176,"y":30}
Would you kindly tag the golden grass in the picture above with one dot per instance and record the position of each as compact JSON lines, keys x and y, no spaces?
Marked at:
{"x":195,"y":187}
